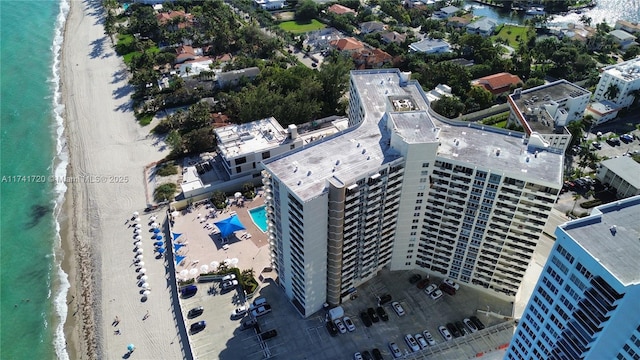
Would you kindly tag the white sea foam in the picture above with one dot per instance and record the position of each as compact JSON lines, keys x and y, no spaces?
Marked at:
{"x":59,"y":169}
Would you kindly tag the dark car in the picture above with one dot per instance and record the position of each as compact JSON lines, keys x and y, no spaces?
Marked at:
{"x":477,"y":322}
{"x":423,"y":283}
{"x":377,"y":355}
{"x":197,"y":327}
{"x":597,"y":145}
{"x":188,"y":291}
{"x":249,"y":324}
{"x":366,"y":355}
{"x":373,"y":315}
{"x":382,"y":314}
{"x":460,"y":326}
{"x":414,"y":278}
{"x":453,"y":330}
{"x":447,"y":289}
{"x":384,"y":299}
{"x":333,"y":330}
{"x":613,"y":142}
{"x":195,"y":312}
{"x":365,"y":319}
{"x":269,"y":334}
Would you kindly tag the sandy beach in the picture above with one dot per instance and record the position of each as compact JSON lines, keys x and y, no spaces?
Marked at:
{"x":108,"y":154}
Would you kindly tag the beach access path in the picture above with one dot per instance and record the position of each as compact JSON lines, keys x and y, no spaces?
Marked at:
{"x":108,"y":152}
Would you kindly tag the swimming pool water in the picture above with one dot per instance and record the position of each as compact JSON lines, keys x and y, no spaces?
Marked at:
{"x":259,"y":217}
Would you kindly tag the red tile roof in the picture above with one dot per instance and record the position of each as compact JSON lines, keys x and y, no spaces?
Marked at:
{"x":347,"y":44}
{"x":340,"y":9}
{"x":498,"y":83}
{"x":166,"y":17}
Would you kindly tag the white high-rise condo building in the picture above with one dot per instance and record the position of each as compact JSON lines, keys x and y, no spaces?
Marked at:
{"x":619,"y":83}
{"x":586,"y":304}
{"x":403,"y":190}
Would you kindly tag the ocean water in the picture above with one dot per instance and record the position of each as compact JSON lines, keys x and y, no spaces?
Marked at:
{"x":33,"y":286}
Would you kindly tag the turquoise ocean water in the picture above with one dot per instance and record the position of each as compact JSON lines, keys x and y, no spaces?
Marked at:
{"x":33,"y":288}
{"x":32,"y":149}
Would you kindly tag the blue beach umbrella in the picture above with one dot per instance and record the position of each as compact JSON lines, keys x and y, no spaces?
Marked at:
{"x":158,"y":243}
{"x":160,"y":250}
{"x":158,"y":237}
{"x":229,"y":225}
{"x":130,"y":347}
{"x":156,"y":230}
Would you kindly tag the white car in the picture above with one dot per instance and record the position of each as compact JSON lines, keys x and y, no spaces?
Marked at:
{"x":436,"y":294}
{"x":228,"y":277}
{"x":395,"y":350}
{"x":340,"y":326}
{"x":429,"y":337}
{"x":470,"y":325}
{"x":348,"y":323}
{"x":421,"y":341}
{"x":452,"y":284}
{"x":239,"y":312}
{"x":398,"y":308}
{"x":445,"y":333}
{"x":431,"y":288}
{"x":357,"y":356}
{"x":229,"y":284}
{"x":411,"y":341}
{"x":262,"y":310}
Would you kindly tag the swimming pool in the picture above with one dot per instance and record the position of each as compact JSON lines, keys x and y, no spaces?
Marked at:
{"x":259,"y":217}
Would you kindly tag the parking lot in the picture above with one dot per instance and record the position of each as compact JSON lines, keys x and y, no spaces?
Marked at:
{"x":309,"y":339}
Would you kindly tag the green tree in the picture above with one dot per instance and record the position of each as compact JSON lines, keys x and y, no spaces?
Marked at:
{"x":306,"y":11}
{"x":334,"y":77}
{"x":175,"y":141}
{"x":480,"y":96}
{"x":165,"y":192}
{"x":631,"y":53}
{"x":612,"y":92}
{"x":448,"y":106}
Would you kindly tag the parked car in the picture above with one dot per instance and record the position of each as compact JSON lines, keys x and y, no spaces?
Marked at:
{"x":395,"y":350}
{"x":436,"y":294}
{"x":447,"y":289}
{"x":460,"y":326}
{"x":195,"y":312}
{"x":382,"y":313}
{"x":421,"y":341}
{"x":269,"y":334}
{"x":197,"y":327}
{"x":259,"y":301}
{"x":365,"y":319}
{"x":411,"y":341}
{"x":188,"y":291}
{"x":367,"y":355}
{"x":373,"y":315}
{"x":415,"y":278}
{"x":470,"y":325}
{"x":431,"y":288}
{"x":340,"y":326}
{"x":331,"y":327}
{"x":477,"y":322}
{"x":228,"y":277}
{"x":626,"y":138}
{"x":423,"y":283}
{"x":262,"y":310}
{"x":349,"y":323}
{"x":357,"y":356}
{"x":452,"y":284}
{"x":228,"y":285}
{"x":376,"y":354}
{"x":430,"y":340}
{"x":446,"y":335}
{"x":398,"y":308}
{"x":453,"y":330}
{"x":384,"y":299}
{"x":597,"y":145}
{"x":613,"y":142}
{"x":249,"y":324}
{"x":239,"y":312}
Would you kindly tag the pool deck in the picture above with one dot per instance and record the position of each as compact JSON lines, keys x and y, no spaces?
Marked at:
{"x":205,"y":246}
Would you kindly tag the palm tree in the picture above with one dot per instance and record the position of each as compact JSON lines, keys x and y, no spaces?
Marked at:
{"x":612,"y":92}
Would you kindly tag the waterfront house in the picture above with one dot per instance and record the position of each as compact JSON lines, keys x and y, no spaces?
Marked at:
{"x":483,"y":27}
{"x":430,"y":46}
{"x":630,"y":27}
{"x":623,"y":39}
{"x":446,"y":12}
{"x":458,"y":22}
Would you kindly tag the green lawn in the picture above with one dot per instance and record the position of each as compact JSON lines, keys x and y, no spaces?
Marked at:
{"x":511,"y":32}
{"x":296,"y":28}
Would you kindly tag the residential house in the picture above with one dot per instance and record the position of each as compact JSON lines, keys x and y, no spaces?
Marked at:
{"x":187,"y":52}
{"x":623,"y":39}
{"x":389,"y":37}
{"x":458,"y":22}
{"x":602,"y":111}
{"x":341,"y":10}
{"x":347,"y":45}
{"x":430,"y":46}
{"x":320,"y":39}
{"x":439,"y":92}
{"x":168,"y":19}
{"x":269,"y":4}
{"x":194,"y":67}
{"x":630,"y":27}
{"x":462,"y":62}
{"x":621,"y":173}
{"x":370,"y":58}
{"x":372,"y":27}
{"x":446,"y":12}
{"x":232,"y":78}
{"x":498,"y":83}
{"x":483,"y":27}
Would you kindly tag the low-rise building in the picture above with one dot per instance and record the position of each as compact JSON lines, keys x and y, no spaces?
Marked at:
{"x":349,"y":45}
{"x":341,"y":10}
{"x":389,"y":37}
{"x":498,"y":83}
{"x":430,"y":46}
{"x":367,"y":58}
{"x":269,"y":4}
{"x":602,"y":111}
{"x":446,"y":12}
{"x":458,"y":21}
{"x":621,"y":173}
{"x":619,"y":83}
{"x":630,"y":27}
{"x":439,"y":92}
{"x":372,"y":27}
{"x":545,"y":110}
{"x":232,"y":78}
{"x":623,"y":39}
{"x":320,"y":40}
{"x":483,"y":27}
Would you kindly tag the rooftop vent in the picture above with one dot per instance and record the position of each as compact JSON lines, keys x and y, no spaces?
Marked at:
{"x":337,"y":162}
{"x":299,"y":182}
{"x":364,"y":151}
{"x":309,"y":173}
{"x":498,"y":152}
{"x":614,"y":230}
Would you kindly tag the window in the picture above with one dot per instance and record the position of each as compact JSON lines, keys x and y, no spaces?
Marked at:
{"x":423,"y":180}
{"x":425,"y":165}
{"x":420,"y":194}
{"x":238,"y":169}
{"x":417,"y":208}
{"x":565,"y":254}
{"x":292,"y":146}
{"x":241,"y":160}
{"x":266,"y":155}
{"x":557,"y":262}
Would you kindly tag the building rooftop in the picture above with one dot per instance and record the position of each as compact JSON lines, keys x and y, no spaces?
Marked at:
{"x":611,"y":234}
{"x":499,"y":82}
{"x":427,"y":44}
{"x":365,"y":147}
{"x":627,"y":71}
{"x":603,"y":107}
{"x":529,"y":101}
{"x":622,"y":35}
{"x":626,"y":168}
{"x":340,"y":9}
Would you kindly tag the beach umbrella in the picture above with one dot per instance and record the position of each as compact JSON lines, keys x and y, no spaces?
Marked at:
{"x":160,"y":250}
{"x":184,"y":273}
{"x":140,"y":251}
{"x":141,"y":264}
{"x":155,"y":225}
{"x":139,"y":257}
{"x":238,"y":195}
{"x":227,"y":261}
{"x":193,"y":272}
{"x":159,"y":237}
{"x":138,"y":226}
{"x":137,"y":244}
{"x":175,"y":214}
{"x":156,"y":230}
{"x":135,"y":213}
{"x":145,"y":285}
{"x":137,"y":219}
{"x":234,"y":261}
{"x":138,"y":237}
{"x":153,"y":218}
{"x":214,"y":264}
{"x":204,"y":268}
{"x":137,"y":231}
{"x":144,"y":278}
{"x":143,"y":270}
{"x":130,"y":347}
{"x":158,"y":243}
{"x":146,"y":292}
